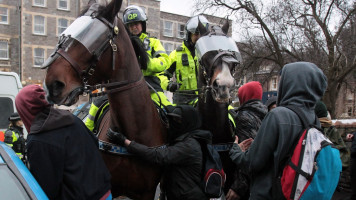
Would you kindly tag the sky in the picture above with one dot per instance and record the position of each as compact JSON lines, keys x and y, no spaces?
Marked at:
{"x":185,"y":7}
{"x":181,"y":7}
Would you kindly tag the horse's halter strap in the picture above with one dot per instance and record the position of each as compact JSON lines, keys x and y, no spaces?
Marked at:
{"x":72,"y":62}
{"x":208,"y":73}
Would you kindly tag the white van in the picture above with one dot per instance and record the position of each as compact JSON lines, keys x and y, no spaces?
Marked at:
{"x":10,"y":85}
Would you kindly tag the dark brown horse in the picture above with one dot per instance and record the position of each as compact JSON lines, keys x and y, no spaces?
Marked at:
{"x":218,"y":58}
{"x":96,"y":49}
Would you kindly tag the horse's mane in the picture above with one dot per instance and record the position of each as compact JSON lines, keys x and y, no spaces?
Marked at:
{"x":139,"y":49}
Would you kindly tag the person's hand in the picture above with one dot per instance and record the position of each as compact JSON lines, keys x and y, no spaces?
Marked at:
{"x":349,"y":136}
{"x":244,"y":145}
{"x":231,"y":195}
{"x":116,"y":137}
{"x":173,"y":86}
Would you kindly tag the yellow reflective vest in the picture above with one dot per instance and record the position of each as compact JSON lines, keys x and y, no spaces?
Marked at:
{"x":182,"y":63}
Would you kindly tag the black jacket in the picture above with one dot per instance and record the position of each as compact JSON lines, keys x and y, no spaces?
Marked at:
{"x":183,"y":164}
{"x":248,"y":120}
{"x":64,"y":158}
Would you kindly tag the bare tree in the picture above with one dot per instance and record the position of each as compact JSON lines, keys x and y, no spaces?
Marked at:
{"x":303,"y":30}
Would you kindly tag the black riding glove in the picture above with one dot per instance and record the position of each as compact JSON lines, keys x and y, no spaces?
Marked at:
{"x":116,"y":137}
{"x":173,"y":86}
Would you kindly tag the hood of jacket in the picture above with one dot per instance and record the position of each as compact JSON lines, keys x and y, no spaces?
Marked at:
{"x":30,"y":101}
{"x":51,"y":119}
{"x":301,"y":84}
{"x":250,"y":90}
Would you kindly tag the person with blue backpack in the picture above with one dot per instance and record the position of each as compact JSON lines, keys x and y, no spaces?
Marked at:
{"x":301,"y":85}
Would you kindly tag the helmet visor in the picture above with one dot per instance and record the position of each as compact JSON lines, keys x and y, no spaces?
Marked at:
{"x":192,"y":24}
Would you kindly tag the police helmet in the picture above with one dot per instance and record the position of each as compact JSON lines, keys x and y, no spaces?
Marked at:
{"x":135,"y":14}
{"x":14,"y":117}
{"x":191,"y":26}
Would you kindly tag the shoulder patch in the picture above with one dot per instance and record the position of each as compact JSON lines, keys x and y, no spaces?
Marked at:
{"x":180,"y":48}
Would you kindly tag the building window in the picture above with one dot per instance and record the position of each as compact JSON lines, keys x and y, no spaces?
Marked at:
{"x":39,"y":25}
{"x":4,"y":15}
{"x":168,"y":29}
{"x":168,"y":47}
{"x":40,"y":3}
{"x":4,"y":50}
{"x":180,"y":31}
{"x":350,"y":111}
{"x":63,"y":4}
{"x":62,"y":25}
{"x":274,"y":83}
{"x":38,"y":56}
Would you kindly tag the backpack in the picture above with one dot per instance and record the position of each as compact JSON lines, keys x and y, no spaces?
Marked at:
{"x":313,"y":170}
{"x":213,"y":175}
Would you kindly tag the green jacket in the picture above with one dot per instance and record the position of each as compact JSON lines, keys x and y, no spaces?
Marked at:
{"x":157,"y":55}
{"x":94,"y":108}
{"x":183,"y":64}
{"x":14,"y":138}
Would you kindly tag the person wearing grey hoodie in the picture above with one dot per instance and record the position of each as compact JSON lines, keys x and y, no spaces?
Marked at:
{"x":302,"y":84}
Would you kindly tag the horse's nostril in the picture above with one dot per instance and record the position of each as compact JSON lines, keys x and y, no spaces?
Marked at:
{"x":215,"y":84}
{"x":57,"y":88}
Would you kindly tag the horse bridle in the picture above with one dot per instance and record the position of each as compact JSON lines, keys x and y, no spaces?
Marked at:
{"x":207,"y":74}
{"x":226,"y":55}
{"x":85,"y":74}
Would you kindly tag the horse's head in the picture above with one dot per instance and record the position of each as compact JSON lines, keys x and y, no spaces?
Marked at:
{"x":88,"y":53}
{"x":218,"y":58}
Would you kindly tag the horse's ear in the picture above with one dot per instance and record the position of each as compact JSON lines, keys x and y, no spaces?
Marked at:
{"x":91,"y":2}
{"x":202,"y":29}
{"x":112,"y":9}
{"x":226,"y":26}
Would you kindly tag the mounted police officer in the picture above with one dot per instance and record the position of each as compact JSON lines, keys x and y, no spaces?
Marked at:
{"x":183,"y":63}
{"x":135,"y":20}
{"x":14,"y":136}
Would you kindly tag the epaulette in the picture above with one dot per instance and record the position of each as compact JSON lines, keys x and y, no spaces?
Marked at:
{"x":180,"y":48}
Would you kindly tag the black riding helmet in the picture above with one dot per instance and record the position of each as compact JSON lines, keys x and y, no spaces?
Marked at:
{"x":14,"y":117}
{"x":135,"y":14}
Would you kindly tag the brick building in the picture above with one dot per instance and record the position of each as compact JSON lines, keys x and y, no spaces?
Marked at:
{"x":29,"y":31}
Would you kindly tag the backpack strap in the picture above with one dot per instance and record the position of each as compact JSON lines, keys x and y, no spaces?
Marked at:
{"x":300,"y":114}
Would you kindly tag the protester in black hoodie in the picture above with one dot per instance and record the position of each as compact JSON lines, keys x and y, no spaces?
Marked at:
{"x":182,"y":158}
{"x":62,"y":153}
{"x":302,"y":84}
